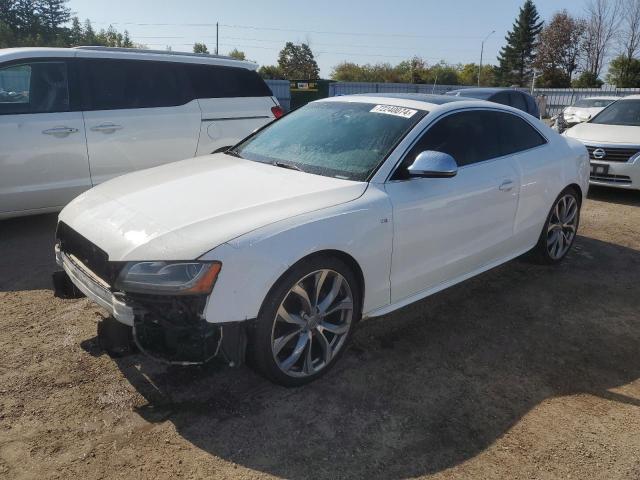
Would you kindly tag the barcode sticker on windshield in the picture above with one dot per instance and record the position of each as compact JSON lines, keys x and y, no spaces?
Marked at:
{"x":397,"y":111}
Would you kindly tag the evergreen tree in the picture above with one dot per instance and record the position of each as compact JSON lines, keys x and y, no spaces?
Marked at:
{"x":53,"y":14}
{"x":517,"y":56}
{"x":75,"y":32}
{"x":88,"y":33}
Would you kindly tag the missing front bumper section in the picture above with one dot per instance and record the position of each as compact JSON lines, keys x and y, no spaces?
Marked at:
{"x":172,"y":330}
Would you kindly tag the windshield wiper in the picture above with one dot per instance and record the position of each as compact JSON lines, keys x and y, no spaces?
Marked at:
{"x":286,"y":165}
{"x":233,"y":153}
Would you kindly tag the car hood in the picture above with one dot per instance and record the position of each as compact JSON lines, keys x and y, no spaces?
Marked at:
{"x":182,"y":210}
{"x":599,"y":133}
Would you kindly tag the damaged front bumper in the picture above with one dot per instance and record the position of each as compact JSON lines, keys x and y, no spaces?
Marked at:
{"x":168,"y":328}
{"x":94,"y":287}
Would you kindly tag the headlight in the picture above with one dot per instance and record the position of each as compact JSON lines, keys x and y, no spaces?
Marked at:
{"x":176,"y":278}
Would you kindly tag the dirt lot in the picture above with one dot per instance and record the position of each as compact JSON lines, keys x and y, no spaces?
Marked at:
{"x":523,"y":372}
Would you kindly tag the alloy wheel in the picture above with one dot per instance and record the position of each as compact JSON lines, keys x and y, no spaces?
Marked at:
{"x":562,"y":226}
{"x":312,"y":323}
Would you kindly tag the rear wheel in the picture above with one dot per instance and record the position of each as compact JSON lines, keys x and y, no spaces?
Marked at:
{"x":560,"y":229}
{"x":306,"y":321}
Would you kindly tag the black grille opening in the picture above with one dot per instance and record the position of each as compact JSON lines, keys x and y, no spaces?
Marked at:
{"x":602,"y":177}
{"x":92,"y":256}
{"x":613,"y":154}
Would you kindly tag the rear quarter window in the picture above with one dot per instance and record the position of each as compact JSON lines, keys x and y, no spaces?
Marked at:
{"x":213,"y":81}
{"x":518,"y":135}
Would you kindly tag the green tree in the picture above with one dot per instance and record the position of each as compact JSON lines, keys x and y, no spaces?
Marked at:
{"x":298,"y":62}
{"x":587,"y":80}
{"x":414,"y":70}
{"x":468,"y":75}
{"x":200,"y":47}
{"x":6,"y":35}
{"x":443,"y":74}
{"x":88,"y":33}
{"x":75,"y":32}
{"x":237,"y":54}
{"x":518,"y":55}
{"x":53,"y":14}
{"x":271,"y":72}
{"x":624,"y":72}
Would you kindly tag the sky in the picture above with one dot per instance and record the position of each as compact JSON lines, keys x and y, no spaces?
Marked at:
{"x":359,"y":31}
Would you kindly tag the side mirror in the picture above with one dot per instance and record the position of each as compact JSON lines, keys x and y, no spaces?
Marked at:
{"x":432,"y":164}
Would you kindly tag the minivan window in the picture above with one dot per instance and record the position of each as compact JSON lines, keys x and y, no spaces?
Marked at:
{"x":214,"y":81}
{"x":38,"y":87}
{"x":123,"y":84}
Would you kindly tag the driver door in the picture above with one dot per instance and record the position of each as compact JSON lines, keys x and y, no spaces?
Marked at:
{"x":446,"y":228}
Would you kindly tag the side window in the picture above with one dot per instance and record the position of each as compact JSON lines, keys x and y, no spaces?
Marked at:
{"x":123,"y":84}
{"x":38,"y":87}
{"x":517,"y":101}
{"x":517,"y":135}
{"x":212,"y":81}
{"x":501,"y":98}
{"x":469,"y":137}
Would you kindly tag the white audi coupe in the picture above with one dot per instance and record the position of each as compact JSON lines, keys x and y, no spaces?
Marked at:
{"x":350,"y":207}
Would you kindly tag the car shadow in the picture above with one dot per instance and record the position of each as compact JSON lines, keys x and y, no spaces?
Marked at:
{"x":615,"y":195}
{"x":27,"y":259}
{"x":427,"y":387}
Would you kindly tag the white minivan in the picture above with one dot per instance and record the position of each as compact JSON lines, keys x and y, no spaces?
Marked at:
{"x":71,"y":118}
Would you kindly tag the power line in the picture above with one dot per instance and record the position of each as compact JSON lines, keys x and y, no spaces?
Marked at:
{"x":279,"y":29}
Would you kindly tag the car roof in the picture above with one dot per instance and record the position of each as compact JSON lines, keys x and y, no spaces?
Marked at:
{"x":601,"y":97}
{"x":9,"y":54}
{"x":422,"y":101}
{"x":487,"y":90}
{"x":630,"y":97}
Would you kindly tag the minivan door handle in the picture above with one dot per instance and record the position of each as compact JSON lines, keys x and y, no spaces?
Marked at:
{"x":106,"y":128}
{"x":506,"y":186}
{"x":60,"y":131}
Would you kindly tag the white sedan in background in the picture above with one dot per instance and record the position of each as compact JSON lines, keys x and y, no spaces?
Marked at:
{"x":349,"y":207}
{"x":585,"y":109}
{"x":613,"y":141}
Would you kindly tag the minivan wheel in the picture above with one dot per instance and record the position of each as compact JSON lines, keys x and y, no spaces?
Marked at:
{"x":560,"y":229}
{"x":306,"y":321}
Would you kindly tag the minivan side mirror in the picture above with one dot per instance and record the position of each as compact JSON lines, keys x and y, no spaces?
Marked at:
{"x":432,"y":164}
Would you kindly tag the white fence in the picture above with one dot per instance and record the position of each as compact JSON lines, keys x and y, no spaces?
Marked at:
{"x":555,"y":98}
{"x":559,"y":98}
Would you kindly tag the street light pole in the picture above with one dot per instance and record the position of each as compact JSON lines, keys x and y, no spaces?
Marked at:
{"x":481,"y":53}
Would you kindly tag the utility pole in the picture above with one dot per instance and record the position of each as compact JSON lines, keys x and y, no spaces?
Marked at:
{"x":481,"y":53}
{"x":216,"y":38}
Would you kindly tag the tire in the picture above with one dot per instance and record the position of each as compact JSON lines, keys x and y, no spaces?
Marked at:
{"x":302,"y":331}
{"x":560,"y":229}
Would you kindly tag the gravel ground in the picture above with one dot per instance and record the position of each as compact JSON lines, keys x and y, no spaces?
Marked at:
{"x":523,"y":372}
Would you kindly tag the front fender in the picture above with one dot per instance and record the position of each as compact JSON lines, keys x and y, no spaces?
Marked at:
{"x":252,"y":263}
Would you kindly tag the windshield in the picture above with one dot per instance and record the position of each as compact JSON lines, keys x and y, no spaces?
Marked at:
{"x":593,"y":103}
{"x":335,"y":139}
{"x":622,"y":112}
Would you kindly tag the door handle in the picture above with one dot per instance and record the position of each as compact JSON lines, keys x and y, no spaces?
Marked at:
{"x":506,"y":186}
{"x":106,"y":128}
{"x":60,"y":131}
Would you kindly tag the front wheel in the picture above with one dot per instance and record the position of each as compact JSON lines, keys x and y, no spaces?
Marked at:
{"x":306,"y":321}
{"x":560,"y":229}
